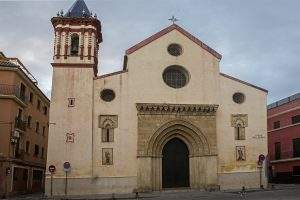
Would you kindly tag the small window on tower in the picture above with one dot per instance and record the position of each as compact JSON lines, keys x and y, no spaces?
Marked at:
{"x":71,"y":102}
{"x":74,"y":45}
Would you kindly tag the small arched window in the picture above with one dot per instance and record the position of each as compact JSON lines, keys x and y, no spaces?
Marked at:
{"x":107,"y":134}
{"x":74,"y":44}
{"x":239,"y":132}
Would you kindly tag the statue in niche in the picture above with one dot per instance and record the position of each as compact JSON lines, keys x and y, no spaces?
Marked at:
{"x":107,"y":156}
{"x":240,"y":153}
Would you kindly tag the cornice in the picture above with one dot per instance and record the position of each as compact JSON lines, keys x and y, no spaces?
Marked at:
{"x":167,"y":30}
{"x":181,"y":109}
{"x":243,"y":82}
{"x":79,"y":21}
{"x":73,"y":65}
{"x":111,"y":74}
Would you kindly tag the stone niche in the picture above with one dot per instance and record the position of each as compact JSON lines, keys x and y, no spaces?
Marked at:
{"x":194,"y":124}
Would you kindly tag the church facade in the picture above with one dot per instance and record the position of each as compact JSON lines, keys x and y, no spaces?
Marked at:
{"x":168,"y":119}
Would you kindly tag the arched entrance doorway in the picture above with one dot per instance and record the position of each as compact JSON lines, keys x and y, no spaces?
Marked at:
{"x":175,"y":164}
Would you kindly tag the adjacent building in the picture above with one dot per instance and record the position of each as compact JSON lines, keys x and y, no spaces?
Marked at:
{"x":24,"y":116}
{"x":284,"y":140}
{"x":168,"y":119}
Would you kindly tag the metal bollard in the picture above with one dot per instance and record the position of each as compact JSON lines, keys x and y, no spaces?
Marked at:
{"x":272,"y":187}
{"x":136,"y":195}
{"x":113,"y":196}
{"x":243,"y":192}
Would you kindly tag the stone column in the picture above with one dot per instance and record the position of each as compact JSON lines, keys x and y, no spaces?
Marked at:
{"x":144,"y":173}
{"x":156,"y":173}
{"x":211,"y":171}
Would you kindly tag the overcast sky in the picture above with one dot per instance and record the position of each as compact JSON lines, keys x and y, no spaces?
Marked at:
{"x":258,"y":39}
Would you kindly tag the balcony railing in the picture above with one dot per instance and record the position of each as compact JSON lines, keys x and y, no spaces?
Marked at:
{"x":20,"y":154}
{"x":285,"y":155}
{"x":13,"y":90}
{"x":20,"y":124}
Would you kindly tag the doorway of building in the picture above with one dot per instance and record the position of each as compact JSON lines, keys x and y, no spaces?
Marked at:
{"x":175,"y":164}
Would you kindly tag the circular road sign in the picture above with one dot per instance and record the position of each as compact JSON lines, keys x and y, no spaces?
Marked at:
{"x":261,"y":157}
{"x":52,"y":169}
{"x":67,"y":166}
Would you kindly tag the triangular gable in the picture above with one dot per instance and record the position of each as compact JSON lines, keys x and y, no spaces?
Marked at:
{"x":167,"y":30}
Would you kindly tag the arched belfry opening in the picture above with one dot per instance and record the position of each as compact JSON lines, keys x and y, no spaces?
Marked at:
{"x":74,"y":44}
{"x":176,"y":146}
{"x":175,"y":164}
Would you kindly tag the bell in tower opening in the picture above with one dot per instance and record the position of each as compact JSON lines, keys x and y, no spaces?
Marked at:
{"x":74,"y":44}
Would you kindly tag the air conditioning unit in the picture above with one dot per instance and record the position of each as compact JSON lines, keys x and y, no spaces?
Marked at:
{"x":13,"y":140}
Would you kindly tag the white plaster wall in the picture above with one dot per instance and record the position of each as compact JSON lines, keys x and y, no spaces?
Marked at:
{"x":71,"y":83}
{"x":143,"y":83}
{"x":255,"y":107}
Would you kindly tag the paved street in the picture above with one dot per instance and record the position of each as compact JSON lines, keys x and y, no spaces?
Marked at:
{"x":290,"y":192}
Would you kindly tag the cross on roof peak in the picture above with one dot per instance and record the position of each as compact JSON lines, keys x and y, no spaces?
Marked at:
{"x":173,"y":19}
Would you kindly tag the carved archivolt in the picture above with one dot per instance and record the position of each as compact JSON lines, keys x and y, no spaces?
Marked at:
{"x":187,"y":132}
{"x":239,"y":120}
{"x":108,"y":121}
{"x":183,"y":109}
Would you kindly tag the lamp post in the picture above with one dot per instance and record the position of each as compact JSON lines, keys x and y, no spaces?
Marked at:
{"x":7,"y":170}
{"x":52,"y":169}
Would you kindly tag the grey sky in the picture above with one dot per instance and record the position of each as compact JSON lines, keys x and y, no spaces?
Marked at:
{"x":258,"y":39}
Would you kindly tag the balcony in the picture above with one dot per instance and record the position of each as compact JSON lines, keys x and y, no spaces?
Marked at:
{"x":14,"y":91}
{"x":20,"y":154}
{"x":20,"y":124}
{"x":285,"y":156}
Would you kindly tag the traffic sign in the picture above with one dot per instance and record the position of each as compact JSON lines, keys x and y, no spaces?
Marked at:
{"x":261,"y":157}
{"x":67,"y":166}
{"x":52,"y":168}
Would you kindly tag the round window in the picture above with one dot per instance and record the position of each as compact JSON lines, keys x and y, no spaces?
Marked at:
{"x":107,"y":95}
{"x":175,"y":76}
{"x":175,"y":49}
{"x":238,"y":97}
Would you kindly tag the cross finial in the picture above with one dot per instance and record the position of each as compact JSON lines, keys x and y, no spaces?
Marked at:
{"x":173,"y":19}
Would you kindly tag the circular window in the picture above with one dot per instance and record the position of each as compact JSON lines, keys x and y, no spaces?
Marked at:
{"x":175,"y":49}
{"x":238,"y":97}
{"x":107,"y":95}
{"x":175,"y":76}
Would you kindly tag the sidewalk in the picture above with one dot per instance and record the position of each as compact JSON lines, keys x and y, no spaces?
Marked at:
{"x":157,"y":194}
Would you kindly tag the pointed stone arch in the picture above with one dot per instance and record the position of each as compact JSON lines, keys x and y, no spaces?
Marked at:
{"x":186,"y":131}
{"x":194,"y":124}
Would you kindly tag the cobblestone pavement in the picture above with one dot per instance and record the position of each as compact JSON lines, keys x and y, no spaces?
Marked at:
{"x":279,"y":193}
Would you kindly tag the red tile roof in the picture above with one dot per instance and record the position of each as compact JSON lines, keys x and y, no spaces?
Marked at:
{"x":167,"y":30}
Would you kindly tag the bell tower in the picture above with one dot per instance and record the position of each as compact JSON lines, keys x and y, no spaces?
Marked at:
{"x":77,"y":35}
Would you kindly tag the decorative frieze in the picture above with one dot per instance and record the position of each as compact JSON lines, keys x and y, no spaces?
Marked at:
{"x":181,"y":109}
